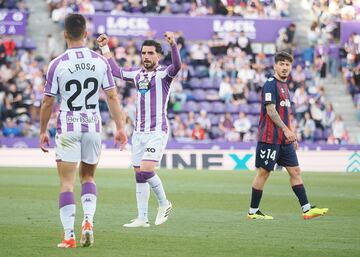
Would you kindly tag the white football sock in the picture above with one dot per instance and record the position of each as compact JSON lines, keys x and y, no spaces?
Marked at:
{"x":89,"y":206}
{"x":157,"y":187}
{"x":142,"y":199}
{"x":306,"y":207}
{"x":67,"y":217}
{"x":253,"y":210}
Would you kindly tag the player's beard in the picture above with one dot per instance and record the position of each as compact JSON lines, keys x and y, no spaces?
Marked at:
{"x":149,"y":65}
{"x":284,"y":75}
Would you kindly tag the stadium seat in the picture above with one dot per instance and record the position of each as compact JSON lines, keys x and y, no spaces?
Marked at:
{"x":98,"y":6}
{"x":199,"y":95}
{"x":318,"y":135}
{"x":205,"y":106}
{"x":108,"y":6}
{"x":244,"y":108}
{"x":195,"y":83}
{"x":255,"y":109}
{"x":206,"y":83}
{"x":231,"y":108}
{"x":218,"y":107}
{"x":191,"y":106}
{"x":253,"y":97}
{"x":28,"y":43}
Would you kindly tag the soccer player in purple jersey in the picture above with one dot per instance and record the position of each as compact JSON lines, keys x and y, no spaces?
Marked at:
{"x":277,"y":142}
{"x":152,"y":82}
{"x":77,"y":75}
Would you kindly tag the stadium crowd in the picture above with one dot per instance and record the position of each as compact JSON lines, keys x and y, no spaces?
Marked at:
{"x":216,"y":95}
{"x":243,"y":8}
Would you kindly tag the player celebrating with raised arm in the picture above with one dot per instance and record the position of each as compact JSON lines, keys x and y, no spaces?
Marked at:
{"x":151,"y":127}
{"x":77,"y":76}
{"x":276,"y":142}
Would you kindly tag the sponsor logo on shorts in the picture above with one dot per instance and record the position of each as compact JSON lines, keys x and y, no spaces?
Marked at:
{"x":150,"y":150}
{"x":82,"y":120}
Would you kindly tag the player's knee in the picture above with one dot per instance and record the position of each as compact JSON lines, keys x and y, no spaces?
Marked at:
{"x":295,"y":172}
{"x":67,"y":186}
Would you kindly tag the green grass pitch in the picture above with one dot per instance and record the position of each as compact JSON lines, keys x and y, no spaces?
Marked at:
{"x":208,"y":217}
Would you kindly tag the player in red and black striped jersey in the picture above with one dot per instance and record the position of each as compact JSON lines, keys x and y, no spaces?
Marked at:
{"x":277,"y":142}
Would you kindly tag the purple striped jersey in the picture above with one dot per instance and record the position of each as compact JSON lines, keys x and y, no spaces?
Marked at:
{"x":153,"y":90}
{"x":77,"y":76}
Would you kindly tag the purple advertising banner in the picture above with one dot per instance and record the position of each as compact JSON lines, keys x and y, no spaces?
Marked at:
{"x":22,"y":142}
{"x":347,"y":28}
{"x":12,"y":22}
{"x":193,"y":28}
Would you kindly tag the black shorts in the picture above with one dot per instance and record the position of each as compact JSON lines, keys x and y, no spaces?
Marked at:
{"x":267,"y":155}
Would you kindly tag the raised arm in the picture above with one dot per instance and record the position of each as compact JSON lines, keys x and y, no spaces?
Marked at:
{"x":174,"y":68}
{"x":103,"y":41}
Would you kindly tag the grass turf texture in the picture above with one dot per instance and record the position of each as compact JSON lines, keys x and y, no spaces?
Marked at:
{"x":209,"y":216}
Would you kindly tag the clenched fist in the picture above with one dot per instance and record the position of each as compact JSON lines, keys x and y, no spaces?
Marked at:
{"x":170,"y":37}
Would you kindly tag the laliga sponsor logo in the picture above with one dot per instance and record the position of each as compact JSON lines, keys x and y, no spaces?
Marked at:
{"x":222,"y":26}
{"x":285,"y":103}
{"x":125,"y":26}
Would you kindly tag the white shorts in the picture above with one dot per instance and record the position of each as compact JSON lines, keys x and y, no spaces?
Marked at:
{"x":148,"y":146}
{"x":78,"y":146}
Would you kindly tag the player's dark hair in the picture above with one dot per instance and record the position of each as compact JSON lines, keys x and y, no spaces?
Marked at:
{"x":283,"y":56}
{"x":75,"y":26}
{"x":150,"y":42}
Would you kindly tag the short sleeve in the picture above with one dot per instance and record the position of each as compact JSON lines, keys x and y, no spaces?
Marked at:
{"x":108,"y":80}
{"x":269,"y":94}
{"x":52,"y":86}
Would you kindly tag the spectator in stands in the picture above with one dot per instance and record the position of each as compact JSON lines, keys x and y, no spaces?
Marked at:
{"x":316,"y":112}
{"x":86,"y":7}
{"x":298,"y":76}
{"x":313,"y":34}
{"x":199,"y":53}
{"x":177,"y":96}
{"x":225,"y":90}
{"x":307,"y":126}
{"x":216,"y":71}
{"x":290,"y":34}
{"x":240,"y":92}
{"x":198,"y":133}
{"x":6,"y":73}
{"x":204,"y":121}
{"x":242,"y":125}
{"x":226,"y":123}
{"x":190,"y":122}
{"x":338,"y":129}
{"x":301,"y":101}
{"x":178,"y":127}
{"x":10,"y":129}
{"x":328,"y":116}
{"x":119,"y":9}
{"x":246,"y":73}
{"x":244,"y":43}
{"x":2,"y":51}
{"x":348,"y":11}
{"x":10,"y":46}
{"x":29,"y":130}
{"x":217,"y":44}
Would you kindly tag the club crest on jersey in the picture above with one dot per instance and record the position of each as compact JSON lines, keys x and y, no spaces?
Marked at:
{"x":144,"y":86}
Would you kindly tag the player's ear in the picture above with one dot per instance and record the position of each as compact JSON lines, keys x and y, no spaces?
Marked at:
{"x":86,"y":34}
